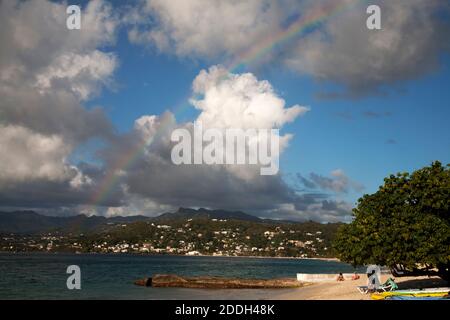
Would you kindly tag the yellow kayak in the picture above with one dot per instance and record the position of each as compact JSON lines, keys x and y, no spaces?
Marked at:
{"x":433,"y":292}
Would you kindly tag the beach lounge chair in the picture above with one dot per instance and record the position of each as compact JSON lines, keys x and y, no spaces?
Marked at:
{"x":389,"y":285}
{"x":363,"y":289}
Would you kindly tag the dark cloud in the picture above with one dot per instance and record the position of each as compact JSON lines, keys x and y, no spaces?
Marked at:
{"x":152,"y":174}
{"x":45,"y":194}
{"x":342,"y":50}
{"x":319,"y":210}
{"x":58,"y":112}
{"x":338,"y":182}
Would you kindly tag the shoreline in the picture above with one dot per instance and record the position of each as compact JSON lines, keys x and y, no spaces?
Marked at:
{"x":166,"y":255}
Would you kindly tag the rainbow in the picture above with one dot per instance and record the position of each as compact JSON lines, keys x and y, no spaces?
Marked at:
{"x":298,"y":28}
{"x":301,"y":26}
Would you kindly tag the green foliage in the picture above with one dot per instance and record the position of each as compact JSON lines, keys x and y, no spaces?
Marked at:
{"x":178,"y":235}
{"x":406,"y":222}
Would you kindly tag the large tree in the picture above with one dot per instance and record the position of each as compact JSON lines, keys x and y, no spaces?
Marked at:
{"x":404,"y":225}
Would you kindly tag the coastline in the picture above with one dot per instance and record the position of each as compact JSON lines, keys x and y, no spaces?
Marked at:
{"x":261,"y":257}
{"x":164,"y":254}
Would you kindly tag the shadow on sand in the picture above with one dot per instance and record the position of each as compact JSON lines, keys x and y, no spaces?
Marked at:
{"x":432,"y":282}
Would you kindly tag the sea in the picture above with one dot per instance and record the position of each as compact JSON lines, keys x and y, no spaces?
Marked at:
{"x":112,"y":276}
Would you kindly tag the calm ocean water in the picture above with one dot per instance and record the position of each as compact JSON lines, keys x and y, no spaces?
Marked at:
{"x":43,"y":276}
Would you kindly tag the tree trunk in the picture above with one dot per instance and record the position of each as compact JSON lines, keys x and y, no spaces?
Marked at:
{"x":444,"y":272}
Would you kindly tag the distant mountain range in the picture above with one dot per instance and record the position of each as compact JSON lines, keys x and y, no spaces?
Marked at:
{"x":186,"y":213}
{"x":30,"y":222}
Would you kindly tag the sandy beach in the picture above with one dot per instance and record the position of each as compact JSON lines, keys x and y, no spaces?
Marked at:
{"x":346,"y":290}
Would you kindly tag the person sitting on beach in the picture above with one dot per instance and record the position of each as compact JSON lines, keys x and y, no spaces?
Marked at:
{"x":340,"y":277}
{"x":355,"y":276}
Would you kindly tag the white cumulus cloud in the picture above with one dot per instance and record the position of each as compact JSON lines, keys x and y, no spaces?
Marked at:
{"x":82,"y":74}
{"x":204,"y":28}
{"x":240,"y":101}
{"x":29,"y":155}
